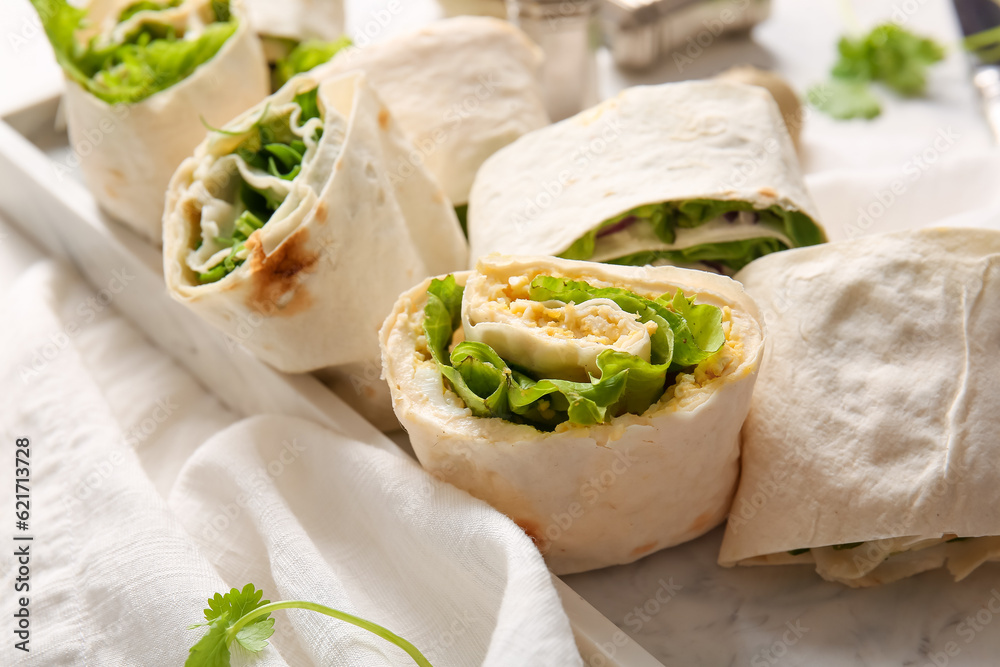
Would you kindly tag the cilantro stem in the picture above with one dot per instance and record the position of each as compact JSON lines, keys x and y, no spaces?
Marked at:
{"x":384,"y":633}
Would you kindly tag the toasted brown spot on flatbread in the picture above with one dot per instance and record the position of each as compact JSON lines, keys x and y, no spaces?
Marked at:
{"x":702,"y":522}
{"x":383,"y":118}
{"x":768,"y":192}
{"x":116,"y":174}
{"x":643,"y":549}
{"x":276,"y":287}
{"x":321,"y":211}
{"x":192,"y":217}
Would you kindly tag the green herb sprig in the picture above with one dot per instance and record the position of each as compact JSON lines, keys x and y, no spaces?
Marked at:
{"x":888,"y":54}
{"x":242,"y":616}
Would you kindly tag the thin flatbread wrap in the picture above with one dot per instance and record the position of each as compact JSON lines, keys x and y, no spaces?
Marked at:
{"x":870,"y":450}
{"x":135,"y":112}
{"x":541,"y":385}
{"x":700,"y":174}
{"x":285,"y":231}
{"x":281,"y":25}
{"x":461,"y":89}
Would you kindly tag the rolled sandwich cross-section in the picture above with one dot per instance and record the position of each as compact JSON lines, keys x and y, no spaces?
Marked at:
{"x":283,"y":26}
{"x":285,"y":232}
{"x":598,"y":406}
{"x":699,"y":174}
{"x":871,"y":447}
{"x":143,"y":79}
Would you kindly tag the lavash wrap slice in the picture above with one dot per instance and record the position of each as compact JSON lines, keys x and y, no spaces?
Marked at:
{"x":321,"y":274}
{"x":128,"y":152}
{"x":589,"y":496}
{"x":461,"y":89}
{"x":875,"y":428}
{"x":697,"y":141}
{"x":282,"y":25}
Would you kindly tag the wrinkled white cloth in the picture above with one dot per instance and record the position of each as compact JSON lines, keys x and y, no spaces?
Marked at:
{"x":148,"y":496}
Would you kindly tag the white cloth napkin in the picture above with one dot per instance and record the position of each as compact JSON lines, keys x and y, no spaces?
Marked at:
{"x":148,"y":496}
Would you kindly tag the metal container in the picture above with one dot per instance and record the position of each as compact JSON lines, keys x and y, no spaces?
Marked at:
{"x":640,"y":33}
{"x":567,"y":32}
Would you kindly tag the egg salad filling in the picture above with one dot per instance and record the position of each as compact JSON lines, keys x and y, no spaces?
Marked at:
{"x":547,"y":350}
{"x":722,"y":236}
{"x":254,"y":181}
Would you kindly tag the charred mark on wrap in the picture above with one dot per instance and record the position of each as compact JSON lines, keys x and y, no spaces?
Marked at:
{"x":276,"y":280}
{"x":320,"y":215}
{"x":643,"y":549}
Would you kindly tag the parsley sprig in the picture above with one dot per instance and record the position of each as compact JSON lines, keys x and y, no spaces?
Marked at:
{"x":888,"y":54}
{"x":242,"y":616}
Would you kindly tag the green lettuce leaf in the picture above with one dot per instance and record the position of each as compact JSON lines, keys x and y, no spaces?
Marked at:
{"x":150,"y":59}
{"x":305,"y":56}
{"x":493,"y":387}
{"x":668,"y":217}
{"x":272,"y":147}
{"x":583,"y":247}
{"x":732,"y":255}
{"x":144,"y":5}
{"x":462,"y":212}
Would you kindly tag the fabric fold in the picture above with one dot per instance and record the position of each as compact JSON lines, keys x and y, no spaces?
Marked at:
{"x":139,"y":516}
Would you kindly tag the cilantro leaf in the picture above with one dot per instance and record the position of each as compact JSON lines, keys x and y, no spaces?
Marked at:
{"x":242,"y":615}
{"x":844,"y":99}
{"x":221,"y":616}
{"x":212,"y":650}
{"x":888,"y":54}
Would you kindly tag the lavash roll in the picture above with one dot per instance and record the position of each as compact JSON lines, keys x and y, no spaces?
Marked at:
{"x":128,"y":152}
{"x":589,"y":496}
{"x":461,"y":89}
{"x":875,"y":428}
{"x":293,"y":21}
{"x":324,"y":271}
{"x":649,"y":145}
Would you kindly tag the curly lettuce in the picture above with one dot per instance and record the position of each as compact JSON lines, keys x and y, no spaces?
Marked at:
{"x":273,"y":148}
{"x":147,"y":59}
{"x":667,"y":218}
{"x":490,"y":386}
{"x":304,"y":56}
